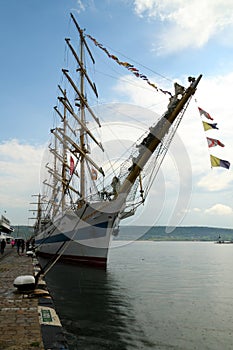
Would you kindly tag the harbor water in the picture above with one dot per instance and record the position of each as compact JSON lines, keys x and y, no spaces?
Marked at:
{"x":154,"y":295}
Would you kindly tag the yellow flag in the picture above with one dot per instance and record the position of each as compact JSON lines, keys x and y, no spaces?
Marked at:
{"x":214,"y":161}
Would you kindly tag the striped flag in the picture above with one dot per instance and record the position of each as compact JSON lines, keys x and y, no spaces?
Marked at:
{"x":214,"y":142}
{"x":219,"y":162}
{"x":208,"y":126}
{"x":206,"y":114}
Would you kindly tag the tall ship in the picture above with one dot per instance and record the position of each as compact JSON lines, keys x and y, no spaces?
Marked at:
{"x":83,"y":200}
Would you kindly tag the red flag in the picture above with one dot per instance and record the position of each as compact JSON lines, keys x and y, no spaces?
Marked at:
{"x":132,"y":69}
{"x":71,"y":165}
{"x":214,"y":142}
{"x":206,"y":114}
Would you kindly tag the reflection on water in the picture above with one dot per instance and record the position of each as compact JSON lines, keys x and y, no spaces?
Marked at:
{"x":153,"y":296}
{"x":95,"y":309}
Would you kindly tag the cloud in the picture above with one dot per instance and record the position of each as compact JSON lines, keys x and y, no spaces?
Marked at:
{"x":80,"y":6}
{"x":20,"y":175}
{"x":188,"y":23}
{"x":219,"y":209}
{"x":138,"y":92}
{"x":197,"y":210}
{"x":217,"y":180}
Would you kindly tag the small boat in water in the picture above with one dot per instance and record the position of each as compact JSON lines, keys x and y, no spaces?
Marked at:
{"x":221,"y":241}
{"x":83,"y":201}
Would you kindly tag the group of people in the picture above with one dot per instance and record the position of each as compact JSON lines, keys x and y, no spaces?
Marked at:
{"x":20,"y":244}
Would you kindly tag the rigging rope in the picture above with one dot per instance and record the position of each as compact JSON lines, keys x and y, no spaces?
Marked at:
{"x":130,"y":67}
{"x":57,"y":256}
{"x":164,"y":146}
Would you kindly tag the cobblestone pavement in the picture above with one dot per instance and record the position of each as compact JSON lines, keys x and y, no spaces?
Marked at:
{"x":19,"y":321}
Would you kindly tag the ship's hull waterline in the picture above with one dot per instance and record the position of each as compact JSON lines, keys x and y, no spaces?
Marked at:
{"x":81,"y":237}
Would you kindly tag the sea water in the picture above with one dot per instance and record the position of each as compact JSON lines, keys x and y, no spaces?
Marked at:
{"x":154,"y":295}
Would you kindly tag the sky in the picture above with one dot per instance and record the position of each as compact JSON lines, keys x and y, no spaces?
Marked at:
{"x":168,"y":40}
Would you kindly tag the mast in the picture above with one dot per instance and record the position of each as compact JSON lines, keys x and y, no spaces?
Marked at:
{"x":82,"y":101}
{"x":54,"y":190}
{"x":82,"y":117}
{"x":157,"y":133}
{"x":64,"y":156}
{"x":38,"y":210}
{"x":78,"y":149}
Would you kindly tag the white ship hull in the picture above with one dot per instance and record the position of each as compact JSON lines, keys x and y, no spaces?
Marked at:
{"x":82,"y":236}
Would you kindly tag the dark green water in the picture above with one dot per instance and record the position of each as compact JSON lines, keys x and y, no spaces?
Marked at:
{"x":154,"y":295}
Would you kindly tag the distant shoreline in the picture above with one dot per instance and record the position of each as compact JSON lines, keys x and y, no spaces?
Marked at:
{"x":181,"y":233}
{"x":156,"y":233}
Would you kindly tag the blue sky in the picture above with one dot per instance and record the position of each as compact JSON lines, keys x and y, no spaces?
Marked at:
{"x":169,"y":38}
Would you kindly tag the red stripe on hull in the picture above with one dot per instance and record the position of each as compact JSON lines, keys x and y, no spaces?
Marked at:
{"x":78,"y":260}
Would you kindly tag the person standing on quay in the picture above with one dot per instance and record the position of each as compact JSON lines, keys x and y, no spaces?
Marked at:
{"x":22,"y":246}
{"x":3,"y":245}
{"x":18,"y":244}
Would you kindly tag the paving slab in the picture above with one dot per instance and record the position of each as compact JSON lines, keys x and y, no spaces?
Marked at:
{"x":19,"y":321}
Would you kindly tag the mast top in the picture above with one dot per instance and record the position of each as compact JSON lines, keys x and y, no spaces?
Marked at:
{"x":82,"y":37}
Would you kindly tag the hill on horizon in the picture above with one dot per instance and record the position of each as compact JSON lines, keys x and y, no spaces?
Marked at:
{"x":181,"y":233}
{"x":155,"y":233}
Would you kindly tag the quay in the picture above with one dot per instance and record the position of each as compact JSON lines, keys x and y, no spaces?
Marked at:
{"x":28,"y":320}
